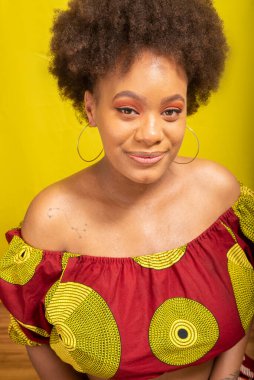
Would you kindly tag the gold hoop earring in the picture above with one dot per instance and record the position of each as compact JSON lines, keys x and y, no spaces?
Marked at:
{"x":198,"y":144}
{"x":79,"y":137}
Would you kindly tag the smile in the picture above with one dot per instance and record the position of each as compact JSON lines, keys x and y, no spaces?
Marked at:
{"x":146,"y":157}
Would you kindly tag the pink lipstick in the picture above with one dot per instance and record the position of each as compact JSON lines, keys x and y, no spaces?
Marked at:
{"x":146,"y":157}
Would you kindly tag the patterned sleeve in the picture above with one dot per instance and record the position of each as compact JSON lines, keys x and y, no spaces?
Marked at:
{"x":244,"y":210}
{"x":26,"y":274}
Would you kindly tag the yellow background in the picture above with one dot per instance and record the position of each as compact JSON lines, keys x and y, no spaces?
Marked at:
{"x":39,"y":131}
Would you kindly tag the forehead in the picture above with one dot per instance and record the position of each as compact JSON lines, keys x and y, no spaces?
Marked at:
{"x":147,"y":70}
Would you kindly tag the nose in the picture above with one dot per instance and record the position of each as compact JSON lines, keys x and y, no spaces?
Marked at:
{"x":149,"y":131}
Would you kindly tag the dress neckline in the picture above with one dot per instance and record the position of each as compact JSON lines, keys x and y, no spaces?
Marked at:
{"x":203,"y":235}
{"x":228,"y":214}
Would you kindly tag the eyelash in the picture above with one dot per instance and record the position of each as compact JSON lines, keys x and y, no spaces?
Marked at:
{"x":172,"y":111}
{"x":131,"y":111}
{"x":122,"y":109}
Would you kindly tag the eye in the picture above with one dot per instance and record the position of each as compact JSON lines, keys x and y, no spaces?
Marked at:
{"x":126,"y":110}
{"x":172,"y":113}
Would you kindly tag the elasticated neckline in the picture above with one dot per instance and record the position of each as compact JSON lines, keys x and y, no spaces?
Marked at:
{"x":229,"y":214}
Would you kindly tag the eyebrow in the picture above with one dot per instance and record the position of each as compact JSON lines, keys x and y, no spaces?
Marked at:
{"x":172,"y":98}
{"x":129,"y":94}
{"x":133,"y":95}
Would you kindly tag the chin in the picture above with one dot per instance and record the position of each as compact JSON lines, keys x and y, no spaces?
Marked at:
{"x":145,"y":179}
{"x":142,"y":176}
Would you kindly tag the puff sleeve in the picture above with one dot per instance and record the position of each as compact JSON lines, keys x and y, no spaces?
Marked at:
{"x":26,"y":275}
{"x":244,"y":211}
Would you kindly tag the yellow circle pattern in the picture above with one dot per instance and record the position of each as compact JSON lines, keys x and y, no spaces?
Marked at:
{"x":244,"y":209}
{"x":66,"y":335}
{"x":85,"y":333}
{"x":19,"y":263}
{"x":161,"y":260}
{"x":182,"y":331}
{"x":242,"y":278}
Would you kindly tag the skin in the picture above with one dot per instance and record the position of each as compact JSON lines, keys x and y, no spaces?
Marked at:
{"x":139,"y":120}
{"x":250,"y":345}
{"x":140,"y":114}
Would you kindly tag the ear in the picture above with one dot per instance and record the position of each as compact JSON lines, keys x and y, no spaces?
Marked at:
{"x":90,"y":106}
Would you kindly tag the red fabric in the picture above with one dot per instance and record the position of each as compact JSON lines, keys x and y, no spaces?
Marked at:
{"x":26,"y":302}
{"x":247,"y":368}
{"x":133,"y":293}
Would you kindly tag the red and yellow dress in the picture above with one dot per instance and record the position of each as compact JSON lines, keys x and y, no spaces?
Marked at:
{"x":138,"y":317}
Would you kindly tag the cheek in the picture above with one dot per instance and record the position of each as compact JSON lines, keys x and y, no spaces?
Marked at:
{"x":176,"y":134}
{"x":111,"y":137}
{"x":115,"y":133}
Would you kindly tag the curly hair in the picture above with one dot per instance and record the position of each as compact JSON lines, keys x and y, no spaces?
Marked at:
{"x":91,"y":35}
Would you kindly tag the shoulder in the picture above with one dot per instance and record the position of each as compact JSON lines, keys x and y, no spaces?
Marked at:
{"x":42,"y":219}
{"x":217,"y":183}
{"x":44,"y":225}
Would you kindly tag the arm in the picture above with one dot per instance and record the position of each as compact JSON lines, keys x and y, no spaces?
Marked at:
{"x":227,"y":365}
{"x":41,"y":230}
{"x":250,"y":345}
{"x":49,"y":366}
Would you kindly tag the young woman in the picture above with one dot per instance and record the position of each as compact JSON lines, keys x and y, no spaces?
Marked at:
{"x":140,"y":266}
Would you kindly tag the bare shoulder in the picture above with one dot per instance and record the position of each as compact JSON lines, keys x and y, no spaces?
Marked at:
{"x":217,"y":183}
{"x":45,"y":221}
{"x":42,"y":219}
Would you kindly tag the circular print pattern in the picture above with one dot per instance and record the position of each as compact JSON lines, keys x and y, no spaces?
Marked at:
{"x":19,"y":263}
{"x":182,"y":331}
{"x":242,"y":278}
{"x":85,"y":333}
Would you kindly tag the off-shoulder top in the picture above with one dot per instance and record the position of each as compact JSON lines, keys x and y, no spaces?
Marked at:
{"x":137,"y":317}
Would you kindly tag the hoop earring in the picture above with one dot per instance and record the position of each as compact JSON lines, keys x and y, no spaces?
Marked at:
{"x":198,"y":144}
{"x":79,"y":137}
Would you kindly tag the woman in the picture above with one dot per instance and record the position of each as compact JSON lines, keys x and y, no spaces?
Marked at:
{"x":140,"y":266}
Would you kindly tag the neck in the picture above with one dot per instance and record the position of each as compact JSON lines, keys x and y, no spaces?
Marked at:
{"x":123,"y":191}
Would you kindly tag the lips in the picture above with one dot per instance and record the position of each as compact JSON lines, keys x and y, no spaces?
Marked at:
{"x":146,"y":157}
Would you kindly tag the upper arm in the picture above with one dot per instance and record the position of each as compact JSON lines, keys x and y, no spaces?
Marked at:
{"x":227,"y":365}
{"x":49,"y":366}
{"x":41,"y":228}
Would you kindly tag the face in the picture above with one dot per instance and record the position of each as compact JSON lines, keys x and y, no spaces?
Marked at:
{"x":141,"y":117}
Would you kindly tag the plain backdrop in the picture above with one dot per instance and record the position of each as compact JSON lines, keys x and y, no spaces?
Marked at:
{"x":39,"y":130}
